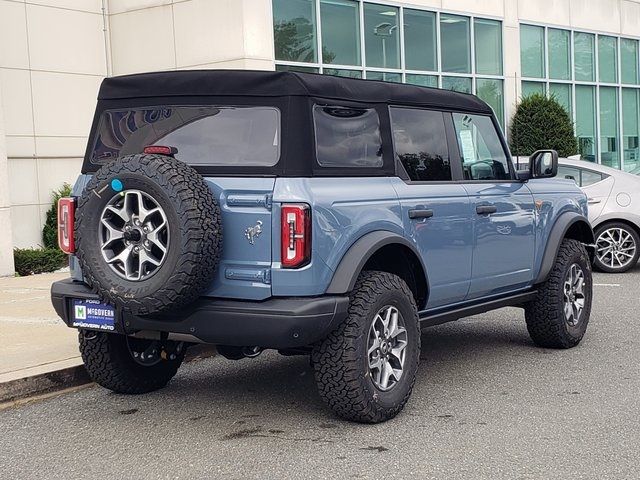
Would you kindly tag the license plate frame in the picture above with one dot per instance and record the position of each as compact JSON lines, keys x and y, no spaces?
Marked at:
{"x":92,"y":315}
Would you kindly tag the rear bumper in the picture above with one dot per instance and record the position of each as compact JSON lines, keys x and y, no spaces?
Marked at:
{"x":275,"y":323}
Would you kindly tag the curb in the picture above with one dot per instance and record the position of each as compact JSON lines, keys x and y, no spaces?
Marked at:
{"x":43,"y":383}
{"x":49,"y":382}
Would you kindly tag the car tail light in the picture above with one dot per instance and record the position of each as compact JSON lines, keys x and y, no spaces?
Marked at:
{"x":296,"y":235}
{"x":66,"y":220}
{"x":160,"y":150}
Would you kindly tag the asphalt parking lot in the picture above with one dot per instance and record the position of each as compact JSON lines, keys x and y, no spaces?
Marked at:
{"x":487,"y":404}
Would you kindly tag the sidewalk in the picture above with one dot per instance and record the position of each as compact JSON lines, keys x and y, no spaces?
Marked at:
{"x":38,"y":352}
{"x":34,"y":339}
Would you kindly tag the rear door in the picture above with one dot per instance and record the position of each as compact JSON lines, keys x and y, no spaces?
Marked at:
{"x":502,"y":209}
{"x":240,"y":138}
{"x":435,"y":210}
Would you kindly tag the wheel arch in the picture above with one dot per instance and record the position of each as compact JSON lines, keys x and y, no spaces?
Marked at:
{"x":626,"y":221}
{"x":568,"y":225}
{"x":385,"y":251}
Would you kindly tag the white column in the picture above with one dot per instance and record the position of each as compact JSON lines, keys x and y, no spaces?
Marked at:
{"x":6,"y":243}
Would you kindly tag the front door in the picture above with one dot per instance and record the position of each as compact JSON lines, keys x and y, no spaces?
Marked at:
{"x":436,"y":211}
{"x":502,"y":208}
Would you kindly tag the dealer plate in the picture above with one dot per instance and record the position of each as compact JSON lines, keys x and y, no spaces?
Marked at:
{"x":92,"y":314}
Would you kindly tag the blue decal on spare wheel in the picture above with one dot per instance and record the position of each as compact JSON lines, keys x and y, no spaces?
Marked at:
{"x":116,"y":185}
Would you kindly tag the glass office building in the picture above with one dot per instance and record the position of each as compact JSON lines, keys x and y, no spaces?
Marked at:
{"x":594,"y":75}
{"x":392,"y":43}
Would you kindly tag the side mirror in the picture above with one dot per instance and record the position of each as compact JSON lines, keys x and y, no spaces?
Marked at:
{"x":543,"y":164}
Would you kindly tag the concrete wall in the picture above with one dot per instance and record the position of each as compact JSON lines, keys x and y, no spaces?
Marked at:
{"x":52,"y":59}
{"x":6,"y":244}
{"x":54,"y":53}
{"x":163,"y":35}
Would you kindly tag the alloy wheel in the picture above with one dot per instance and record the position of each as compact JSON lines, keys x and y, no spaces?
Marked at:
{"x":574,"y":295}
{"x":133,"y":234}
{"x":387,"y":348}
{"x":616,"y":248}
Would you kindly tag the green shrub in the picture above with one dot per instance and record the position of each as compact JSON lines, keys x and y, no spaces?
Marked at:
{"x":50,"y":230}
{"x":540,"y":122}
{"x":30,"y":261}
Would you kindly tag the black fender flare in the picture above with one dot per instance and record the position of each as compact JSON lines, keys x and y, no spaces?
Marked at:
{"x":349,"y":268}
{"x":559,"y":231}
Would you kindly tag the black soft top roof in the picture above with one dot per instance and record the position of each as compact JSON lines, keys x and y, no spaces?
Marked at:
{"x":190,"y":83}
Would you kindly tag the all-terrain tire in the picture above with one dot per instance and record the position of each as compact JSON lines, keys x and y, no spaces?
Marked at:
{"x":194,"y":232}
{"x":110,"y":364}
{"x":545,"y":316}
{"x":341,"y":363}
{"x":633,"y":240}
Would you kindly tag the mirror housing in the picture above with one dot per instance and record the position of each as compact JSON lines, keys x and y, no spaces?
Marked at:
{"x":543,"y":164}
{"x":523,"y":175}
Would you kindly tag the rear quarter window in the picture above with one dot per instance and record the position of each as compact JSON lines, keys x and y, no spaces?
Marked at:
{"x":203,"y":135}
{"x":347,"y":136}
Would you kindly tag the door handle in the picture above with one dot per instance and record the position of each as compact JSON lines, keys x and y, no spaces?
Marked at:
{"x":420,"y":213}
{"x":486,"y":209}
{"x":593,"y":201}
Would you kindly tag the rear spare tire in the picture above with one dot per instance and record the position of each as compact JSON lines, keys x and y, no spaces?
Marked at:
{"x":148,"y":234}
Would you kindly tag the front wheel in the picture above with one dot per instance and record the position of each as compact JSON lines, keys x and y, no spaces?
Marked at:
{"x":366,"y":368}
{"x":618,"y":248}
{"x":129,"y":365}
{"x":558,"y":316}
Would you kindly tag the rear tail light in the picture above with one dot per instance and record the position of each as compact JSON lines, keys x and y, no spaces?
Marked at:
{"x":160,"y":150}
{"x":296,"y":235}
{"x":66,"y":219}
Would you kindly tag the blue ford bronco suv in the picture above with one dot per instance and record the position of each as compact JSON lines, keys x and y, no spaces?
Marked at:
{"x":315,"y":215}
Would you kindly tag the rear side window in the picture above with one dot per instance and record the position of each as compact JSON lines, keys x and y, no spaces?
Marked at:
{"x":483,"y":157}
{"x":589,"y":177}
{"x":420,"y":143}
{"x":347,"y":137}
{"x":569,"y":173}
{"x":203,"y":135}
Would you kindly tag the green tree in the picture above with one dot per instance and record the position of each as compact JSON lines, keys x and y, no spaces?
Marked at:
{"x":541,"y":122}
{"x":295,"y":42}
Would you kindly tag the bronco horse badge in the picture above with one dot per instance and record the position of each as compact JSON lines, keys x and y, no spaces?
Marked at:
{"x":251,"y":233}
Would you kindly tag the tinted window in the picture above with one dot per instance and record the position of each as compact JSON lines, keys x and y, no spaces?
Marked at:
{"x":421,"y":144}
{"x":590,"y":177}
{"x":483,"y":157}
{"x":569,"y":173}
{"x":227,"y":136}
{"x":347,"y":137}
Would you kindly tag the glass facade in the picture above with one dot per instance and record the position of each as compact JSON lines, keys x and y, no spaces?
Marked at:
{"x":380,"y":41}
{"x":340,"y":43}
{"x":595,"y":78}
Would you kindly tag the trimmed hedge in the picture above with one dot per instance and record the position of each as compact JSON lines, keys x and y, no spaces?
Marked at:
{"x":29,"y":261}
{"x":540,"y":122}
{"x":50,"y":229}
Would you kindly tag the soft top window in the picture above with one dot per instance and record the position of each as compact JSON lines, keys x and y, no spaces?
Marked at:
{"x":203,"y":135}
{"x":347,"y":136}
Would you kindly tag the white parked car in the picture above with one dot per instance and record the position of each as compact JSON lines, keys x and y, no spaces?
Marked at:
{"x":614,"y":210}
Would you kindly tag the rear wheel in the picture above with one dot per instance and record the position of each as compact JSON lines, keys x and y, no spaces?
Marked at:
{"x":618,"y":248}
{"x":129,"y":365}
{"x":365,"y":369}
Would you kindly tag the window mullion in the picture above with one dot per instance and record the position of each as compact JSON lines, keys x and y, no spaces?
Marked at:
{"x":363,"y":52}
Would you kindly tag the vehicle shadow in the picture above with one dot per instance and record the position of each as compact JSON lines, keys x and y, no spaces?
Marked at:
{"x":270,"y":387}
